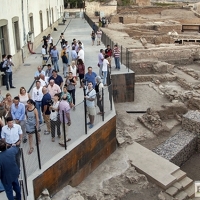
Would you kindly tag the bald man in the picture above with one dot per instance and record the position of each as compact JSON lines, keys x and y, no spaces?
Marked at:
{"x":43,"y":80}
{"x":38,"y":72}
{"x":46,"y":101}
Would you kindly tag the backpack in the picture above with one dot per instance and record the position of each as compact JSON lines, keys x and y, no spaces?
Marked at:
{"x":2,"y":69}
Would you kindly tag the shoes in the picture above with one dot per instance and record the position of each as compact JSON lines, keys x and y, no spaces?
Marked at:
{"x":53,"y":139}
{"x":13,"y":87}
{"x":46,"y":132}
{"x":24,"y":140}
{"x":88,"y":123}
{"x":30,"y":150}
{"x":62,"y":145}
{"x":91,"y":126}
{"x":59,"y":136}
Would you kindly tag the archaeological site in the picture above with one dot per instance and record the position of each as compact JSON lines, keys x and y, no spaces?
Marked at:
{"x":158,"y":127}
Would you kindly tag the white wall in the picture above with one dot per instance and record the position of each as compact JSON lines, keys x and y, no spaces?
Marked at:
{"x":13,"y":8}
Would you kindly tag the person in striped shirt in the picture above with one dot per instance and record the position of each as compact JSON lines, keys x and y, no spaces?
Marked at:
{"x":116,"y":55}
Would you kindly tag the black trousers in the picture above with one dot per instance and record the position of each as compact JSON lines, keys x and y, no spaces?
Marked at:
{"x":55,"y":125}
{"x":72,"y":92}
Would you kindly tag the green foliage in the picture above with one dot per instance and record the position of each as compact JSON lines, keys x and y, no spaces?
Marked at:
{"x":164,"y":4}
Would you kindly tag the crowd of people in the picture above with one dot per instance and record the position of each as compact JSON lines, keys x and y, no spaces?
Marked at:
{"x":51,"y":99}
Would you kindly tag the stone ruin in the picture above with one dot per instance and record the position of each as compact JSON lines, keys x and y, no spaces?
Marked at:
{"x":153,"y":119}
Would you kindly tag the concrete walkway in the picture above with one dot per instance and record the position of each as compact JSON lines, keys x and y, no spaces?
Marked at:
{"x":79,"y":29}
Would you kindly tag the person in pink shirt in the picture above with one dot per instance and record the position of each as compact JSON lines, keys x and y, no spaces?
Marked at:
{"x":53,"y":88}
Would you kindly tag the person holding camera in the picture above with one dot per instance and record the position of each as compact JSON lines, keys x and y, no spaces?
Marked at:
{"x":55,"y":121}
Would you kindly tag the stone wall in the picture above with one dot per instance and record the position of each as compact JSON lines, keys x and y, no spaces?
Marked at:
{"x":106,"y":9}
{"x":171,"y":54}
{"x":179,"y":148}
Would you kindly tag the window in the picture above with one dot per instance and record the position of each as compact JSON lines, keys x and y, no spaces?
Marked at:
{"x":41,"y":22}
{"x":31,"y":24}
{"x":47,"y":18}
{"x":16,"y":35}
{"x":4,"y":42}
{"x":52,"y":16}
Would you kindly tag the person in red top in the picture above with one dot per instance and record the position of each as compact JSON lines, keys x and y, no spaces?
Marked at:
{"x":109,"y":52}
{"x":80,"y":70}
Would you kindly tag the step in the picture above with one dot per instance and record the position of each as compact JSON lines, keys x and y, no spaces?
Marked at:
{"x":181,"y":196}
{"x":186,"y":182}
{"x":172,"y":191}
{"x":158,"y":169}
{"x":177,"y":185}
{"x":179,"y":174}
{"x":190,"y":190}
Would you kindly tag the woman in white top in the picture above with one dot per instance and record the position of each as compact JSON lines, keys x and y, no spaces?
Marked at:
{"x":23,"y":96}
{"x":73,"y":69}
{"x":105,"y":69}
{"x":55,"y":121}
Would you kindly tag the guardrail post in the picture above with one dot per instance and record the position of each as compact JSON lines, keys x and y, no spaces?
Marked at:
{"x":38,"y":149}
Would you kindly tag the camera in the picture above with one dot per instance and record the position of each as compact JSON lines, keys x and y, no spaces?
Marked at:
{"x":83,"y":81}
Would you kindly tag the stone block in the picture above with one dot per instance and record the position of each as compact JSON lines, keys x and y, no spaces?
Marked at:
{"x":172,"y":191}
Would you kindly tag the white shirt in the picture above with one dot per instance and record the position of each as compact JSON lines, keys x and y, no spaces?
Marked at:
{"x":43,"y":82}
{"x":43,"y":51}
{"x":81,"y":54}
{"x":90,"y":94}
{"x":54,"y":115}
{"x":37,"y":94}
{"x":73,"y":70}
{"x":11,"y":135}
{"x":50,"y":40}
{"x":105,"y":65}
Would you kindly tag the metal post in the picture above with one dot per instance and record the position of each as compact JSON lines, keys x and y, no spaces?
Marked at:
{"x":85,"y":110}
{"x":38,"y":149}
{"x":121,"y":54}
{"x":128,"y":59}
{"x":24,"y":169}
{"x":22,"y":187}
{"x":102,"y":104}
{"x":110,"y":95}
{"x":63,"y":115}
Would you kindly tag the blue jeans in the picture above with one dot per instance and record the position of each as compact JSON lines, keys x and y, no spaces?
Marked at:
{"x":38,"y":105}
{"x":8,"y":80}
{"x":55,"y":63}
{"x":117,"y":64}
{"x":9,"y":187}
{"x":1,"y":186}
{"x":105,"y":77}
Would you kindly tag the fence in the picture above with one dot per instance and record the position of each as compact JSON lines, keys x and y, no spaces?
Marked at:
{"x":106,"y":40}
{"x":46,"y":149}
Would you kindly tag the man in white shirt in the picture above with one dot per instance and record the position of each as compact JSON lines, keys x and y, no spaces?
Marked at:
{"x":37,"y":97}
{"x":81,"y":54}
{"x":99,"y":33}
{"x":50,"y":39}
{"x":90,"y":102}
{"x":105,"y":69}
{"x":12,"y":135}
{"x":43,"y":80}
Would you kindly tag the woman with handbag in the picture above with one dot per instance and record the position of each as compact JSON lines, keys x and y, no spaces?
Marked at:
{"x":80,"y":70}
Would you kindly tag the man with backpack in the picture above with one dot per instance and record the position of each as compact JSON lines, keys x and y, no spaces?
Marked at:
{"x":7,"y":65}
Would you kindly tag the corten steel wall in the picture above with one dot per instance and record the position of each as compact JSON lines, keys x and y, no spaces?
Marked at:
{"x":123,"y":87}
{"x":75,"y":166}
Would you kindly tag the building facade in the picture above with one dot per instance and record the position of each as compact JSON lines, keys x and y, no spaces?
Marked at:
{"x":23,"y":23}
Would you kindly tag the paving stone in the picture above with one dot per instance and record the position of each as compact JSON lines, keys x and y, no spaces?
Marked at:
{"x":172,"y":191}
{"x":190,"y":190}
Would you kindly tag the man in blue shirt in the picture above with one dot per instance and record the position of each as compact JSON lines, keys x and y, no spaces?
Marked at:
{"x":74,"y":54}
{"x":57,"y":78}
{"x":90,"y":77}
{"x":46,"y":103}
{"x":9,"y":171}
{"x":18,"y":115}
{"x":55,"y":57}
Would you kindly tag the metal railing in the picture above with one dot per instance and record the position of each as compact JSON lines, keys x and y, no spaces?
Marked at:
{"x":106,"y":40}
